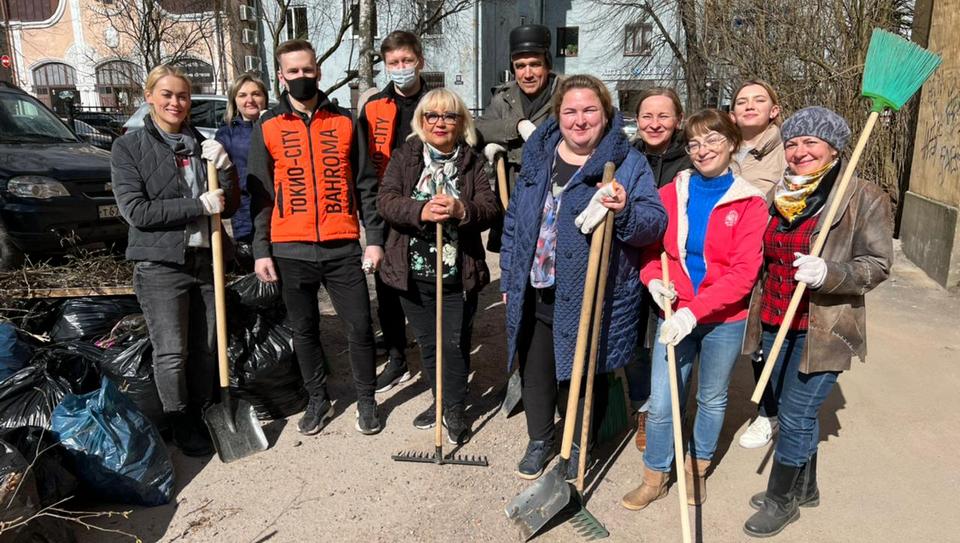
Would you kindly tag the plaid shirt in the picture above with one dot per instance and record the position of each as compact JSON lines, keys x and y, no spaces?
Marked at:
{"x":779,"y":284}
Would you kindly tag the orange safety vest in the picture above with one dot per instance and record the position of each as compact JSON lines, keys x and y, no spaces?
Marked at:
{"x":381,"y":115}
{"x":312,"y":177}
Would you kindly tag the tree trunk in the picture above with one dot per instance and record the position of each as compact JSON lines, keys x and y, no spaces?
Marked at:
{"x":366,"y":32}
{"x":695,"y":70}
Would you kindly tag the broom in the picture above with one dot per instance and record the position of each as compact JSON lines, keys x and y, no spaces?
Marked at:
{"x":894,"y":70}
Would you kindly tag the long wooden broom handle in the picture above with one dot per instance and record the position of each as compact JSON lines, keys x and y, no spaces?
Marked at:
{"x":219,"y":294}
{"x":438,"y":374}
{"x":675,"y":414}
{"x":583,"y":333}
{"x":815,"y":250}
{"x":596,"y":327}
{"x":501,"y":167}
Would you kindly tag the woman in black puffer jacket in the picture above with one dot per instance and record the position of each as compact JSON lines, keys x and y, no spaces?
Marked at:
{"x":160,"y":181}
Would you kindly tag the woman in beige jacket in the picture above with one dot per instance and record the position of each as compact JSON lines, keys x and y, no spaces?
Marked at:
{"x":756,"y":111}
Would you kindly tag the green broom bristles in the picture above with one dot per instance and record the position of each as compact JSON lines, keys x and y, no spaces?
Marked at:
{"x":895,"y":69}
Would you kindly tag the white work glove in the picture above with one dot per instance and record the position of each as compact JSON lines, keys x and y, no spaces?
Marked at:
{"x":525,"y":128}
{"x":593,"y":215}
{"x":214,"y":152}
{"x":677,"y":327}
{"x":662,"y":294}
{"x":811,"y":270}
{"x":491,"y":150}
{"x":213,"y":201}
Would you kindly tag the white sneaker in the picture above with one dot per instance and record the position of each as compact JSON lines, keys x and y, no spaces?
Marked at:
{"x":759,"y":433}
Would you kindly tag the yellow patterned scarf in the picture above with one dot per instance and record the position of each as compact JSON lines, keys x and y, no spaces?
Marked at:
{"x":792,"y":191}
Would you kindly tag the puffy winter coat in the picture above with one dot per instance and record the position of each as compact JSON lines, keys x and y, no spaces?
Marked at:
{"x":235,"y":138}
{"x":732,"y":248}
{"x":641,"y":222}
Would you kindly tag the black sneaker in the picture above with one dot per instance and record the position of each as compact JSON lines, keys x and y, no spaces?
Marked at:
{"x":190,"y":435}
{"x":368,"y":420}
{"x":391,"y":376}
{"x":574,"y":464}
{"x":458,"y":429}
{"x":319,"y":411}
{"x":427,"y":419}
{"x":535,"y":459}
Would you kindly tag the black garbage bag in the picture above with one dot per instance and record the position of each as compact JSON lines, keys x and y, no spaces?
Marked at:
{"x":118,"y":454}
{"x":251,"y":292}
{"x":265,"y":370}
{"x":28,"y":397}
{"x":18,"y":488}
{"x":75,"y":362}
{"x":14,"y":353}
{"x":129,"y":364}
{"x":89,"y":318}
{"x":54,"y":482}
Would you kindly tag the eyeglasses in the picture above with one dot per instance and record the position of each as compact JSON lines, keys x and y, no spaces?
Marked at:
{"x":432,"y":117}
{"x":712,"y":142}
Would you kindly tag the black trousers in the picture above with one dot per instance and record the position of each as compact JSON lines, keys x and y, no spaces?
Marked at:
{"x":393,"y":321}
{"x":542,"y":393}
{"x":345,"y":282}
{"x":420,"y":304}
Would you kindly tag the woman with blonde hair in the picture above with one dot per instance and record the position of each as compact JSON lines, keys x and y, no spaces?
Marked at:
{"x":159,"y":178}
{"x":437,"y":177}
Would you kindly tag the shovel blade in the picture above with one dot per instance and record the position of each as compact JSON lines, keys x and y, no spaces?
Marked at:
{"x":512,"y":398}
{"x":533,"y":508}
{"x":234,"y":429}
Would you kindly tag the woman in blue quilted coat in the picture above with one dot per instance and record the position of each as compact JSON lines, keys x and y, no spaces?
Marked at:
{"x":544,"y":256}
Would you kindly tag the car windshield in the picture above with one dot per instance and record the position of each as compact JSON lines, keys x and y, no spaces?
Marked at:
{"x":24,"y":120}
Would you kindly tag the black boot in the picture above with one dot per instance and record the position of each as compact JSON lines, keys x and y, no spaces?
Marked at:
{"x":190,"y":435}
{"x":806,"y":491}
{"x":779,"y":505}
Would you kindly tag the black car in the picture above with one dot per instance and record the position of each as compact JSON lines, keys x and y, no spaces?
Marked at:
{"x":55,"y":191}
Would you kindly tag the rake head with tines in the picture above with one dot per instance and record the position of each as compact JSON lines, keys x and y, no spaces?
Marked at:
{"x":587,"y":526}
{"x":437,"y":457}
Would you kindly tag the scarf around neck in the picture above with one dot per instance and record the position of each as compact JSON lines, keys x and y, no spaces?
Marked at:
{"x":440,"y":170}
{"x":799,"y":197}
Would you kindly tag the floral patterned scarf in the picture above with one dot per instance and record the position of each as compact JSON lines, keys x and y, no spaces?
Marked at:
{"x":801,"y":196}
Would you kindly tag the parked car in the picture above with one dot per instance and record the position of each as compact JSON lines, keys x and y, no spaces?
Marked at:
{"x":92,"y":135}
{"x":108,"y":122}
{"x":206,"y":114}
{"x":55,"y":189}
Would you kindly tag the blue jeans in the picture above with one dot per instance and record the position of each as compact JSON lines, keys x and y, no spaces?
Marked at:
{"x":718,"y":346}
{"x":799,"y":395}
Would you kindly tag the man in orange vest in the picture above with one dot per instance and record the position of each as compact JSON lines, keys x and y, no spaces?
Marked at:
{"x":304,"y":176}
{"x":383,"y":125}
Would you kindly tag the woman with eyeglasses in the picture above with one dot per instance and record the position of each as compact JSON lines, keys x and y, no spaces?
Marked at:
{"x":713,"y":247}
{"x":437,"y":177}
{"x":543,"y":261}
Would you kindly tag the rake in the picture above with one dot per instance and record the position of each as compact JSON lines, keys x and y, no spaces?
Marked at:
{"x":437,"y":457}
{"x":895,"y":69}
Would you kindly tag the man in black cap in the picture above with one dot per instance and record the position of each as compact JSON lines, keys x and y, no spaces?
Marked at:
{"x":519,"y":106}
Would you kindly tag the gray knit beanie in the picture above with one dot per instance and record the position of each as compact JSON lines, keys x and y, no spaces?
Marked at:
{"x":818,"y":122}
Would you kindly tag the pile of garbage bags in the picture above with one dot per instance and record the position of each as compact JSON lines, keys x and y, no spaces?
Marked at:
{"x":83,"y":407}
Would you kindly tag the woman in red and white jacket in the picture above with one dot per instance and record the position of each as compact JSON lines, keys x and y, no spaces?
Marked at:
{"x":713,"y":244}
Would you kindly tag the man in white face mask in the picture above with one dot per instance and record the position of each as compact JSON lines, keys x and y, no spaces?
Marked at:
{"x":383,"y":125}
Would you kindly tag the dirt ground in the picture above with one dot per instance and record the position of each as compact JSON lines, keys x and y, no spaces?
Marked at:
{"x":887,"y":471}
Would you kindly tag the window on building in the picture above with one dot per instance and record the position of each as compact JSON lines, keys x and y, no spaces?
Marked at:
{"x":429,"y":9}
{"x":434,"y":80}
{"x":296,"y":23}
{"x":355,"y":18}
{"x":568,"y":41}
{"x":31,"y":10}
{"x":55,"y":84}
{"x":638,"y":39}
{"x":119,"y":84}
{"x":199,"y":73}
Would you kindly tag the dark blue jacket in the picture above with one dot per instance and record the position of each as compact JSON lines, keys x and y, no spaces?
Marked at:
{"x":235,"y":138}
{"x":642,"y":222}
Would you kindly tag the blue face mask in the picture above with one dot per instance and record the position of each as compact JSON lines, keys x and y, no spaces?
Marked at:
{"x":404,"y":78}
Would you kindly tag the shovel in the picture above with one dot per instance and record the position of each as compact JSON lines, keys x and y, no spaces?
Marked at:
{"x":232,"y":423}
{"x":437,"y":456}
{"x":514,"y":386}
{"x":533,"y":508}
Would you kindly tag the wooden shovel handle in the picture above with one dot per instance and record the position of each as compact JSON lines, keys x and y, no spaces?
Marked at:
{"x":220,"y":299}
{"x":438,"y":341}
{"x":675,"y":415}
{"x":501,"y":167}
{"x":815,"y":250}
{"x":583,"y":330}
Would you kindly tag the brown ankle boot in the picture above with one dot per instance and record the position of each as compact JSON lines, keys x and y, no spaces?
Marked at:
{"x":653,"y":488}
{"x":641,"y":437}
{"x":696,"y":472}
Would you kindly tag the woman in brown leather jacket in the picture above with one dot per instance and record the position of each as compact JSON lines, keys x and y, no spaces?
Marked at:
{"x":829,"y":327}
{"x":437,"y":177}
